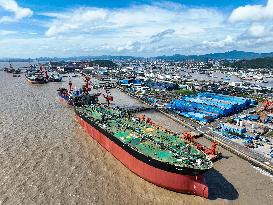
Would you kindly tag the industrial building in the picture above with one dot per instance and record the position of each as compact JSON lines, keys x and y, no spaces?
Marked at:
{"x":233,"y":128}
{"x":129,"y":82}
{"x":162,"y":85}
{"x":205,"y":107}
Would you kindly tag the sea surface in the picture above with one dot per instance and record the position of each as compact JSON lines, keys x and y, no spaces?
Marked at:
{"x":47,"y":158}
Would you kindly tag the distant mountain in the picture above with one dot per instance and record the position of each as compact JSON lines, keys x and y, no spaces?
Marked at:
{"x":230,"y":55}
{"x":265,"y":63}
{"x":103,"y":57}
{"x":16,"y":60}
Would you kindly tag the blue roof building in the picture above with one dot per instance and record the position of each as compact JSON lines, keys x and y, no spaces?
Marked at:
{"x":233,"y":128}
{"x":208,"y":104}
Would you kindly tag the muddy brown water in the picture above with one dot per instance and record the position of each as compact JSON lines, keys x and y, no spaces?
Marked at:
{"x":46,"y":158}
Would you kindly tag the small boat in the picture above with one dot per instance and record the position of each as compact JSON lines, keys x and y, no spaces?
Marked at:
{"x":10,"y":69}
{"x":17,"y":71}
{"x":55,"y":77}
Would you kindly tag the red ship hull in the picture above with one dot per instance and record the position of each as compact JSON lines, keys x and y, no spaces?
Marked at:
{"x":176,"y":182}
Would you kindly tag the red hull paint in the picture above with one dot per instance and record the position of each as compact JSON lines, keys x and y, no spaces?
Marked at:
{"x":172,"y":181}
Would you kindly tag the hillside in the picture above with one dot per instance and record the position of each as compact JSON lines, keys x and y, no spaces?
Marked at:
{"x":253,"y":63}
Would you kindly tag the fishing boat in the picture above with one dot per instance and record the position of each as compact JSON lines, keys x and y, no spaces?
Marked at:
{"x":17,"y":71}
{"x":152,"y":152}
{"x":10,"y":69}
{"x":55,"y":77}
{"x":36,"y":78}
{"x":78,"y":97}
{"x":16,"y":75}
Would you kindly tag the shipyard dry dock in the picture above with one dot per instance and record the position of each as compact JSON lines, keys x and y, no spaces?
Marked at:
{"x":47,"y":158}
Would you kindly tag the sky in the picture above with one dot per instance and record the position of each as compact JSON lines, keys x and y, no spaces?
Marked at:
{"x":64,"y":28}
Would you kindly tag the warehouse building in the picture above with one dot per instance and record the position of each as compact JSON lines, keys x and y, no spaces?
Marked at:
{"x":233,"y":128}
{"x":205,"y":107}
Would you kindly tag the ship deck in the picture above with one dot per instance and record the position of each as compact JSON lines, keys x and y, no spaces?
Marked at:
{"x":150,"y":140}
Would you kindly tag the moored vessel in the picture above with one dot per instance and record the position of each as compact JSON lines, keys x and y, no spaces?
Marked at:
{"x":36,"y":78}
{"x":55,"y":77}
{"x":153,"y":153}
{"x":77,"y":97}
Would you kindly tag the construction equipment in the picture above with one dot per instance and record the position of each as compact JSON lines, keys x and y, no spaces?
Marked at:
{"x":211,"y":152}
{"x":267,"y":105}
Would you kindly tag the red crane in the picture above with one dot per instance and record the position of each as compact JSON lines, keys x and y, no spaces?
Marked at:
{"x":108,"y":97}
{"x":142,"y":117}
{"x":268,"y":105}
{"x":149,"y":121}
{"x":43,"y":70}
{"x":188,"y":136}
{"x":212,"y":150}
{"x":70,"y":85}
{"x":46,"y":75}
{"x":86,"y":80}
{"x":209,"y":151}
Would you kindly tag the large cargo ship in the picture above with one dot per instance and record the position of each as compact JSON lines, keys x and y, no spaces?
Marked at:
{"x":153,"y":153}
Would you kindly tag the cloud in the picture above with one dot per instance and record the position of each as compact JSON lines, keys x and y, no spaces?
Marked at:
{"x":78,"y":19}
{"x":252,"y":13}
{"x":135,"y":30}
{"x":137,"y":21}
{"x":220,"y":43}
{"x":135,"y":46}
{"x":169,"y":5}
{"x":257,"y":30}
{"x":143,"y":30}
{"x":12,"y":6}
{"x":160,"y":36}
{"x":6,"y":32}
